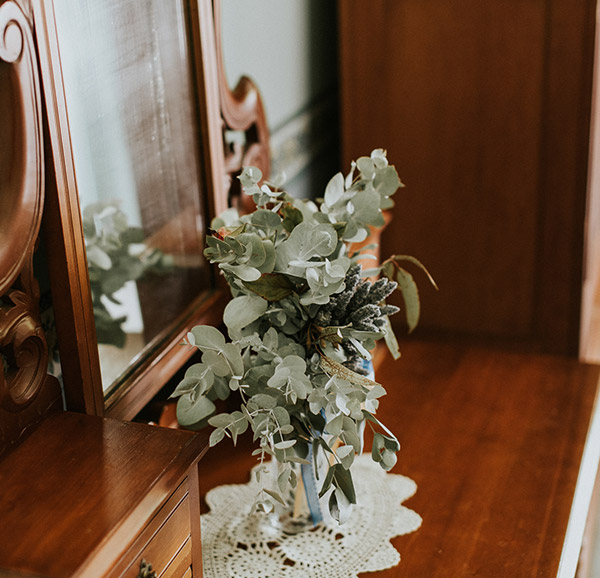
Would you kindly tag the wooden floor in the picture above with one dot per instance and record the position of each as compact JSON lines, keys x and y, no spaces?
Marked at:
{"x":494,"y":441}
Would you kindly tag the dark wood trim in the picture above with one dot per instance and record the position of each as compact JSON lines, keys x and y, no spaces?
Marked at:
{"x":27,"y":392}
{"x":23,"y":186}
{"x":207,"y":78}
{"x":195,"y":512}
{"x":64,"y":237}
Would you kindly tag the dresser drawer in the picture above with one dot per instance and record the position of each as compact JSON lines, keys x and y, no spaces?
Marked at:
{"x":181,"y":566}
{"x":165,"y":543}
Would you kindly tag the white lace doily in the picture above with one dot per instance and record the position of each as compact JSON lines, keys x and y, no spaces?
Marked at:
{"x":236,"y":544}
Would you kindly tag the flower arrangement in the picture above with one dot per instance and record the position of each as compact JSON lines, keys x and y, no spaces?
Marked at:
{"x":301,"y":325}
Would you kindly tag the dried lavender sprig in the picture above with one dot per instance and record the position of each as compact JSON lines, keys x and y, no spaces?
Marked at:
{"x":360,"y":295}
{"x":364,"y":313}
{"x":389,"y":309}
{"x":381,"y":289}
{"x":341,"y":301}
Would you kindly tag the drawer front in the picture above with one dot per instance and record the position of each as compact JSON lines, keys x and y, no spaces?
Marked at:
{"x":181,"y":564}
{"x":160,"y":547}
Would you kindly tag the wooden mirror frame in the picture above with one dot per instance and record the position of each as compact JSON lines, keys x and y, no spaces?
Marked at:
{"x":64,"y":232}
{"x":27,"y":392}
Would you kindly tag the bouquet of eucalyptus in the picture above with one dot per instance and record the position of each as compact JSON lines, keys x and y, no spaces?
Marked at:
{"x":301,"y":325}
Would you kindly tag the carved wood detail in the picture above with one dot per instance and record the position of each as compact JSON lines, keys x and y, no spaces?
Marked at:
{"x":242,"y":110}
{"x":26,"y":391}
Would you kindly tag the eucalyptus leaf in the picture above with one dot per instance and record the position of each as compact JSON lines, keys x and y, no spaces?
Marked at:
{"x":366,"y":207}
{"x":221,"y":387}
{"x":342,"y":479}
{"x":269,"y":261}
{"x":221,"y":420}
{"x":387,"y":181}
{"x":271,"y":286}
{"x":198,"y":378}
{"x":334,"y":509}
{"x":342,"y":508}
{"x":376,"y":391}
{"x":98,"y":257}
{"x":388,"y":460}
{"x":292,"y":217}
{"x":410,"y":295}
{"x":254,"y":250}
{"x":346,"y":455}
{"x":275,"y":495}
{"x":283,"y":479}
{"x":263,"y":401}
{"x":334,"y":426}
{"x":377,"y":447}
{"x":297,"y":459}
{"x":191,"y":412}
{"x":186,"y":385}
{"x":284,"y":445}
{"x":243,"y":310}
{"x":390,"y":339}
{"x":244,"y":272}
{"x":334,"y":190}
{"x":215,"y":437}
{"x":207,"y":337}
{"x":281,"y":415}
{"x":306,"y":241}
{"x":327,"y":481}
{"x":233,"y":356}
{"x":265,"y":219}
{"x":351,"y":438}
{"x":415,"y":261}
{"x":217,"y":362}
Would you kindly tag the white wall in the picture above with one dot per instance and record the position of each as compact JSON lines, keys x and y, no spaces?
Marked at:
{"x":289,"y":48}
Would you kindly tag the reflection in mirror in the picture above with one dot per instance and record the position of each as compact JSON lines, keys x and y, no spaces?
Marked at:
{"x":133,"y":129}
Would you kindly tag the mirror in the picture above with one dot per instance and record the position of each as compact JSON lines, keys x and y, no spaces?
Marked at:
{"x":129,"y":99}
{"x":135,"y":136}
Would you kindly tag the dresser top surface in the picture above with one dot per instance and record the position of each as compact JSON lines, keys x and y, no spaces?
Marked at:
{"x":78,"y":481}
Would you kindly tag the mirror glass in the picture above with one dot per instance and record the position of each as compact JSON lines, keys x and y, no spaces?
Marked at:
{"x":133,"y":128}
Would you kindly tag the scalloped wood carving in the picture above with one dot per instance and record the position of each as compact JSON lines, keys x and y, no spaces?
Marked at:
{"x":27,"y":393}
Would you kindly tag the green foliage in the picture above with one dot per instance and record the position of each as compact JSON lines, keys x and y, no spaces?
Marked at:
{"x":271,"y":286}
{"x":116,"y":254}
{"x":300,"y":327}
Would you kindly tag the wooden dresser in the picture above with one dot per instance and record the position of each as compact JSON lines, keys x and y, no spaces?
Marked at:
{"x":90,"y":496}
